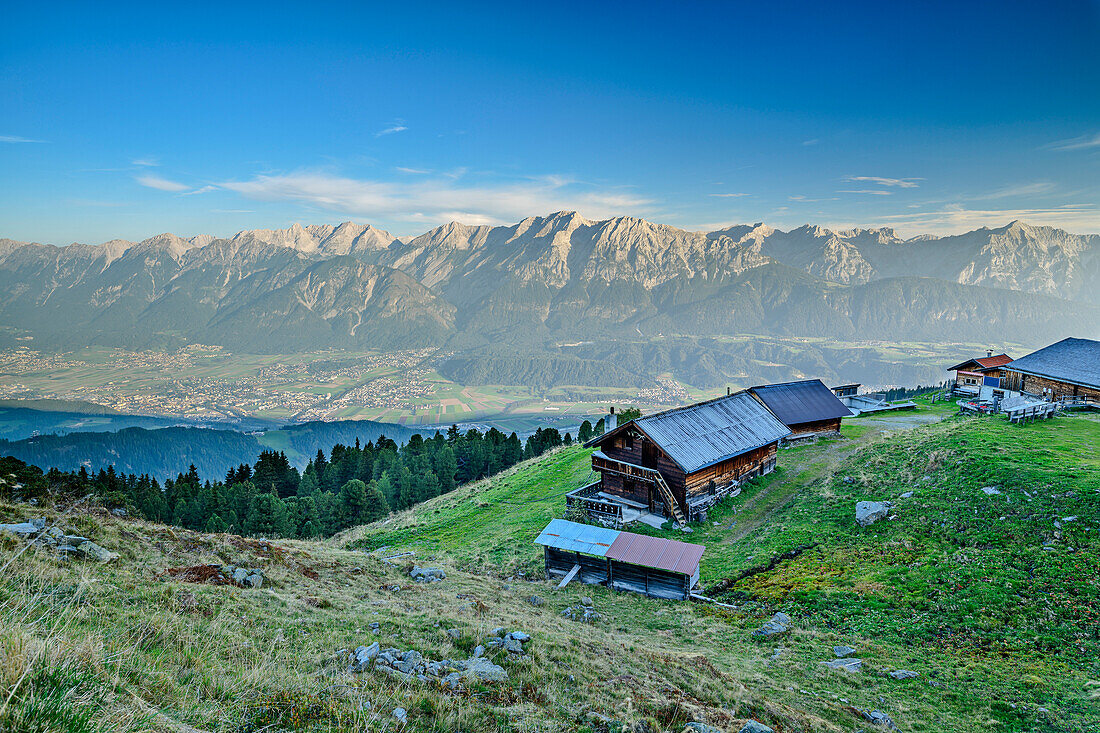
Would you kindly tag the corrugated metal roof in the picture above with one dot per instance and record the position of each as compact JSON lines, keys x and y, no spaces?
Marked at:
{"x":800,"y":402}
{"x":655,"y":552}
{"x":574,"y":537}
{"x":709,"y":432}
{"x":1076,"y":361}
{"x":636,"y":549}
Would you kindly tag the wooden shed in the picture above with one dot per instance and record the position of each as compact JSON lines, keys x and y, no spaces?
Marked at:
{"x":808,"y":408}
{"x":652,"y":566}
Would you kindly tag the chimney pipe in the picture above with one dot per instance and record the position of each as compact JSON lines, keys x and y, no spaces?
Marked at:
{"x":989,"y":352}
{"x":729,"y":391}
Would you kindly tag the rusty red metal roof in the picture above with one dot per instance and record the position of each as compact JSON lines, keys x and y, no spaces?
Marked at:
{"x":988,"y":362}
{"x":655,"y":552}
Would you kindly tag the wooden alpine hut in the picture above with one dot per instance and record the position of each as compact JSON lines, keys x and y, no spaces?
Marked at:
{"x":652,"y":566}
{"x":681,"y":461}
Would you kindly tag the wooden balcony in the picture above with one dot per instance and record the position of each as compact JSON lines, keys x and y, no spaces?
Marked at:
{"x":602,"y":462}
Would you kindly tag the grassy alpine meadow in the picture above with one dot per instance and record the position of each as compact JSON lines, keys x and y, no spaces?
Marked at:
{"x":982,"y":580}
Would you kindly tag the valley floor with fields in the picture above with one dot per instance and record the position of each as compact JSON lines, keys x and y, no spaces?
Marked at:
{"x":982,"y":581}
{"x":209,"y":385}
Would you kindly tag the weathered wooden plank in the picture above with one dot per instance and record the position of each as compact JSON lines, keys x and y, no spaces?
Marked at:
{"x":569,"y":576}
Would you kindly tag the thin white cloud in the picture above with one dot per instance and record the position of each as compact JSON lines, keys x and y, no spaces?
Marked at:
{"x":895,"y":182}
{"x":18,"y":139}
{"x":728,"y":195}
{"x":390,"y":130}
{"x":1077,"y":143}
{"x":439,"y":199}
{"x":148,"y":162}
{"x":204,"y":189}
{"x":957,"y":219}
{"x":870,"y":191}
{"x":415,"y":171}
{"x":161,"y":184}
{"x":814,"y":141}
{"x":1022,"y":189}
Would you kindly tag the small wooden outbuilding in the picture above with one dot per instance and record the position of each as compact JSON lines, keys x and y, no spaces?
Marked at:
{"x":652,"y":566}
{"x":808,"y":408}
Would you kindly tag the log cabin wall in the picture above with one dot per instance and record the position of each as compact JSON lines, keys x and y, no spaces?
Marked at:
{"x":815,"y":426}
{"x":1020,"y":382}
{"x":732,"y":470}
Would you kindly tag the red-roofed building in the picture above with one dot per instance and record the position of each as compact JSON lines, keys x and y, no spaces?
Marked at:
{"x":970,"y":374}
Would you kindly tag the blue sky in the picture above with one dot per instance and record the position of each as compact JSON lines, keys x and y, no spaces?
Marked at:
{"x":125,"y":121}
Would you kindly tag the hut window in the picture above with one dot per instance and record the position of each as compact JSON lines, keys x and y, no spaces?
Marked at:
{"x":628,"y":441}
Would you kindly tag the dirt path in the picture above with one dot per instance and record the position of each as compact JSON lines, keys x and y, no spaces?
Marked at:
{"x":806,"y":464}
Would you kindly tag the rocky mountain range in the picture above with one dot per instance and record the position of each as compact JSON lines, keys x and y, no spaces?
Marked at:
{"x":522,"y":292}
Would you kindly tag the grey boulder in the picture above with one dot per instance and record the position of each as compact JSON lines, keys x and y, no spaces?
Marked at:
{"x":848,"y":664}
{"x":93,"y":551}
{"x":755,"y":726}
{"x":427,"y":575}
{"x":843,"y":651}
{"x":869,"y":512}
{"x":363,"y":656}
{"x":903,"y":674}
{"x":486,"y":671}
{"x":780,"y":623}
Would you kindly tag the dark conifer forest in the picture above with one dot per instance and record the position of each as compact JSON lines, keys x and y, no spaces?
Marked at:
{"x":351,"y":485}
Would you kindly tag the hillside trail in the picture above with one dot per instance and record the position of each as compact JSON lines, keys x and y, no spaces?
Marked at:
{"x":804,"y":466}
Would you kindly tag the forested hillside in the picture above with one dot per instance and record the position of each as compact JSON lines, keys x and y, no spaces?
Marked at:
{"x":162,"y":452}
{"x":352,"y":485}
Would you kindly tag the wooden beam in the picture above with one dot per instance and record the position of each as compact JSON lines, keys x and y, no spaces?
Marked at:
{"x":569,"y":576}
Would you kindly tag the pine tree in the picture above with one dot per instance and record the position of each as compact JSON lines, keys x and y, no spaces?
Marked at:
{"x":445,"y":467}
{"x":268,"y":517}
{"x":585,"y":433}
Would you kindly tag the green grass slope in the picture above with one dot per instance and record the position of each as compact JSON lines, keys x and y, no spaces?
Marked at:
{"x":991,"y":598}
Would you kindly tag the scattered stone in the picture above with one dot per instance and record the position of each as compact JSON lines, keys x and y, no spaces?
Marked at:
{"x":869,"y":512}
{"x":584,"y":614}
{"x":119,"y":512}
{"x":454,"y":633}
{"x":780,"y":623}
{"x":363,"y":656}
{"x":401,"y":715}
{"x":586,"y":601}
{"x":22,"y":530}
{"x":755,"y":726}
{"x":479,"y":651}
{"x":427,"y":575}
{"x":375,"y":626}
{"x":907,"y":495}
{"x":92,"y":551}
{"x":519,"y":636}
{"x":700,"y":728}
{"x":239,"y":575}
{"x":486,"y":671}
{"x":877,"y":717}
{"x":848,"y":664}
{"x":990,"y":490}
{"x":903,"y":674}
{"x":843,"y":651}
{"x":535,"y":601}
{"x":254,"y":580}
{"x":513,"y":645}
